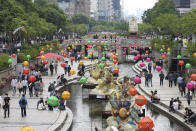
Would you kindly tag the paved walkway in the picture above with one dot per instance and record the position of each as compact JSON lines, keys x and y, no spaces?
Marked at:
{"x":165,"y":92}
{"x":37,"y":119}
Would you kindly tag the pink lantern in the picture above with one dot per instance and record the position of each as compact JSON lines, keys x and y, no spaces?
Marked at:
{"x":137,"y":80}
{"x":165,"y":53}
{"x":135,"y":58}
{"x":190,"y":85}
{"x":148,"y":59}
{"x":124,"y":53}
{"x":125,"y":48}
{"x":65,"y":47}
{"x":119,"y":44}
{"x":131,"y":49}
{"x":142,"y":56}
{"x":142,"y":64}
{"x":137,"y":52}
{"x":158,"y":68}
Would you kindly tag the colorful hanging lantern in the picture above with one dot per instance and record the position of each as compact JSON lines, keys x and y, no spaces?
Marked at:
{"x":142,"y":64}
{"x":116,"y":71}
{"x":181,"y":63}
{"x":103,"y":58}
{"x":148,"y":59}
{"x":66,"y":95}
{"x":158,"y":68}
{"x":72,"y":72}
{"x":146,"y":124}
{"x":25,"y":63}
{"x":140,"y":100}
{"x":26,"y":128}
{"x":115,"y":61}
{"x":124,"y":53}
{"x":13,"y":55}
{"x":10,"y":61}
{"x":41,"y":53}
{"x":42,"y":49}
{"x":133,"y":91}
{"x":190,"y":85}
{"x":81,"y":63}
{"x":28,"y":57}
{"x":32,"y":78}
{"x":193,"y":77}
{"x":163,"y":57}
{"x":194,"y":55}
{"x":147,"y":52}
{"x":72,"y":58}
{"x":169,"y":50}
{"x":136,"y":58}
{"x":137,"y":80}
{"x":18,"y":50}
{"x":85,"y":58}
{"x":63,"y":65}
{"x":62,"y":52}
{"x":43,"y":57}
{"x":142,"y":56}
{"x":110,"y":51}
{"x":25,"y":71}
{"x":168,"y":53}
{"x":188,"y":66}
{"x":82,"y":53}
{"x":101,"y":65}
{"x":137,"y":52}
{"x":179,"y":57}
{"x":45,"y":62}
{"x":83,"y":80}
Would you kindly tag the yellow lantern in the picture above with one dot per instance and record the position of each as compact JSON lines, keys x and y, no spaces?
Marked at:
{"x":72,"y":72}
{"x":90,"y":53}
{"x":26,"y":63}
{"x":72,"y":46}
{"x":62,"y":51}
{"x":163,"y":46}
{"x":101,"y":43}
{"x":194,"y":55}
{"x":27,"y":128}
{"x":43,"y":57}
{"x":66,"y":95}
{"x":47,"y":46}
{"x":169,"y":50}
{"x":86,"y":58}
{"x":81,"y":62}
{"x":155,"y":44}
{"x":68,"y":48}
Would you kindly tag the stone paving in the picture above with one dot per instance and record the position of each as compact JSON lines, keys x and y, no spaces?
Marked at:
{"x":37,"y":119}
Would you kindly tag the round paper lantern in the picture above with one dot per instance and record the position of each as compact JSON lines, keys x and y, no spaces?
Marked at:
{"x":146,"y":124}
{"x":142,"y":64}
{"x":86,"y":48}
{"x":137,"y":52}
{"x":66,"y":95}
{"x":181,"y":63}
{"x":101,"y":65}
{"x":163,"y":46}
{"x":161,"y":50}
{"x":82,"y":53}
{"x":72,"y":72}
{"x":99,"y":47}
{"x":58,"y":58}
{"x":45,"y":62}
{"x":194,"y":54}
{"x":43,"y":57}
{"x":116,"y":71}
{"x":123,"y":112}
{"x":83,"y":80}
{"x":85,"y":58}
{"x":103,"y":58}
{"x":62,"y":52}
{"x":25,"y":71}
{"x":179,"y":57}
{"x":147,"y":52}
{"x":13,"y":55}
{"x":190,"y":85}
{"x":142,"y":56}
{"x":63,"y":65}
{"x":135,"y":58}
{"x":28,"y":56}
{"x":168,"y":53}
{"x":188,"y":66}
{"x":158,"y":68}
{"x":26,"y":63}
{"x":165,"y":53}
{"x":163,"y":57}
{"x":114,"y":57}
{"x":133,"y":91}
{"x":138,"y":55}
{"x":53,"y":101}
{"x":50,"y":49}
{"x":26,"y":128}
{"x":110,"y":51}
{"x":169,"y":50}
{"x":193,"y":77}
{"x":124,"y":53}
{"x":137,"y":80}
{"x":90,"y":53}
{"x":42,"y":49}
{"x":41,"y":53}
{"x":18,"y":50}
{"x":115,"y":61}
{"x":148,"y":59}
{"x":81,"y":63}
{"x":32,"y":78}
{"x":64,"y":55}
{"x":10,"y":61}
{"x":89,"y":56}
{"x":72,"y":58}
{"x":68,"y":48}
{"x":140,"y":100}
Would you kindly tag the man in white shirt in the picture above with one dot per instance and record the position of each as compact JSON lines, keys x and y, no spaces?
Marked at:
{"x":24,"y":86}
{"x":13,"y":84}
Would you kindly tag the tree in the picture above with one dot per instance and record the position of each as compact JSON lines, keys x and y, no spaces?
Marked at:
{"x":80,"y":19}
{"x":145,"y":29}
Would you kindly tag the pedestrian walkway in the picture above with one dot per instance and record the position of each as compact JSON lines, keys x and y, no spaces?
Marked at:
{"x":39,"y":120}
{"x":165,"y":92}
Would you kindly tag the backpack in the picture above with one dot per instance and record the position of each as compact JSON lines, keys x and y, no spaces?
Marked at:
{"x":49,"y":88}
{"x":23,"y":102}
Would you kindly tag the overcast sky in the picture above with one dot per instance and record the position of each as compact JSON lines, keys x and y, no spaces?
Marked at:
{"x":132,"y":6}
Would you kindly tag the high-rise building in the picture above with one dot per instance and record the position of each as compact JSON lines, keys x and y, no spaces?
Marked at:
{"x":193,"y":4}
{"x":116,"y":10}
{"x":82,"y":6}
{"x":93,"y":9}
{"x":105,"y":9}
{"x":183,"y":6}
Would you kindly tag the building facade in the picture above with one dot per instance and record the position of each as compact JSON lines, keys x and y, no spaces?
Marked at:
{"x":116,"y":10}
{"x":105,"y":9}
{"x":193,"y":4}
{"x":183,"y":6}
{"x":82,"y":6}
{"x":93,"y":9}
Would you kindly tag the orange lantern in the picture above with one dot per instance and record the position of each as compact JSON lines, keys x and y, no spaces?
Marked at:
{"x":63,"y":65}
{"x":43,"y":57}
{"x":66,"y":95}
{"x":68,"y":48}
{"x":62,"y":51}
{"x":163,"y":46}
{"x":25,"y":71}
{"x":99,"y":47}
{"x":13,"y":55}
{"x":163,"y":57}
{"x":72,"y":72}
{"x":45,"y":62}
{"x":110,"y":51}
{"x":115,"y":57}
{"x":116,"y":71}
{"x":82,"y":53}
{"x":181,"y":63}
{"x":146,"y":124}
{"x":26,"y":63}
{"x":140,"y":100}
{"x":169,"y":50}
{"x":51,"y":46}
{"x":193,"y":77}
{"x":85,"y":58}
{"x":194,"y":54}
{"x":133,"y":91}
{"x":115,"y":61}
{"x":147,"y":52}
{"x":81,"y":63}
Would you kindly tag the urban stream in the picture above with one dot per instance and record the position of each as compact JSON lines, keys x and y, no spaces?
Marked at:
{"x":88,"y":113}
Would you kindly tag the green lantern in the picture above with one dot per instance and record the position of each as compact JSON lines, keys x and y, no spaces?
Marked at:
{"x":168,"y":53}
{"x":101,"y":65}
{"x":28,"y":57}
{"x":53,"y":101}
{"x":103,"y":53}
{"x":188,"y":66}
{"x":10,"y":61}
{"x":150,"y":48}
{"x":161,"y":50}
{"x":50,"y":49}
{"x":89,"y":56}
{"x":103,"y":58}
{"x":83,"y":80}
{"x":179,"y":57}
{"x":18,"y":50}
{"x":42,"y":52}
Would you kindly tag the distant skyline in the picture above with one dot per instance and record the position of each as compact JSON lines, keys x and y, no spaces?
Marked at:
{"x":137,"y":7}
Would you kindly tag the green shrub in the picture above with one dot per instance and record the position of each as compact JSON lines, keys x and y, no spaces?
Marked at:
{"x":21,"y":58}
{"x":4,"y":61}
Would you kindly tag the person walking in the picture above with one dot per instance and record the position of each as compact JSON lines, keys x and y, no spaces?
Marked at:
{"x":23,"y":103}
{"x":189,"y":97}
{"x":6,"y":105}
{"x":183,"y":87}
{"x":150,"y":67}
{"x":51,"y":68}
{"x":24,"y":86}
{"x":146,"y":78}
{"x":31,"y":86}
{"x":41,"y":87}
{"x":154,"y":66}
{"x":56,"y":66}
{"x":170,"y":78}
{"x":68,"y":69}
{"x":36,"y":88}
{"x":19,"y":86}
{"x":150,"y":78}
{"x":162,"y":76}
{"x":179,"y":81}
{"x":13,"y":84}
{"x":175,"y":78}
